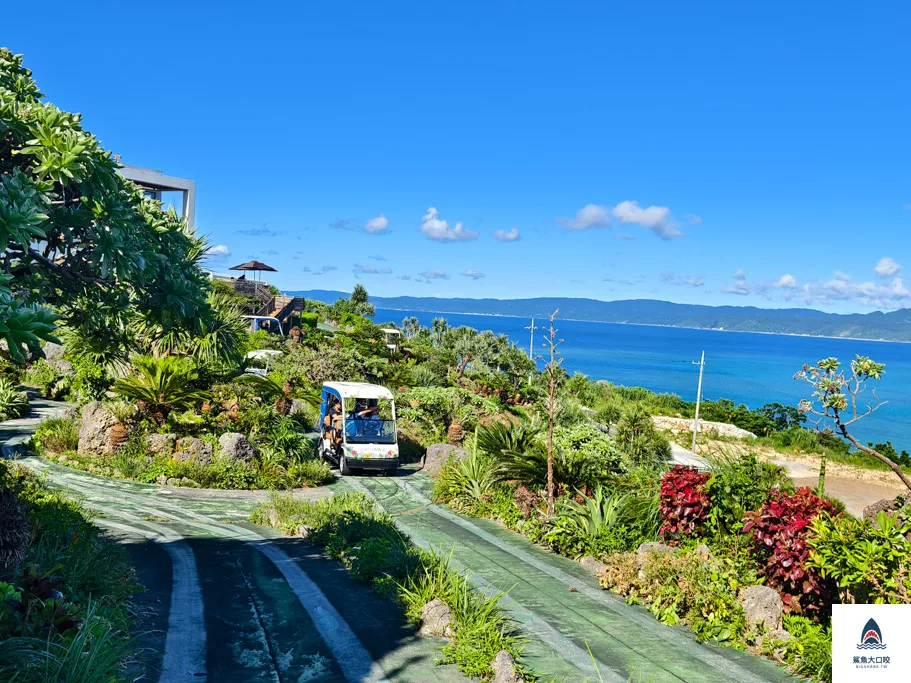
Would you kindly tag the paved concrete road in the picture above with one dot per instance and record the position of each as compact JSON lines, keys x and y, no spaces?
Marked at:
{"x":230,"y":601}
{"x":559,"y":605}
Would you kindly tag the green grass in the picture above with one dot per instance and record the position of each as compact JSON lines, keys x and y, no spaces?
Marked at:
{"x":354,"y":531}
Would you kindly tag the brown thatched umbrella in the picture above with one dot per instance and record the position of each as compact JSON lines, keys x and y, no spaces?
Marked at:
{"x":255,"y":266}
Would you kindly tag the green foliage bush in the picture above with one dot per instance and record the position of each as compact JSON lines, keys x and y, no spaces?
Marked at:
{"x":58,"y":434}
{"x":738,"y":485}
{"x":685,"y":587}
{"x":870,"y":563}
{"x":809,"y":652}
{"x":96,"y":580}
{"x":13,"y":403}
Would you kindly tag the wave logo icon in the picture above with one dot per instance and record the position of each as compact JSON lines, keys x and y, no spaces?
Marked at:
{"x":872,"y":638}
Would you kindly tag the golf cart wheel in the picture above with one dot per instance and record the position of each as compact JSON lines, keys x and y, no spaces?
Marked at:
{"x":343,"y":468}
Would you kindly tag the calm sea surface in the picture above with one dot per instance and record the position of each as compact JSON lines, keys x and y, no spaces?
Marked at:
{"x":748,"y":368}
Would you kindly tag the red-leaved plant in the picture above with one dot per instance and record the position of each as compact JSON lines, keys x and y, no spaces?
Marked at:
{"x":684,"y":501}
{"x":780,"y":529}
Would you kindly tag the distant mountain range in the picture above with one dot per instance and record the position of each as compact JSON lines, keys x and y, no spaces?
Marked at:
{"x":892,"y":326}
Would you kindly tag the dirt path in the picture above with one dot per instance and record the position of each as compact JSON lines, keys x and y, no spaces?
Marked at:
{"x":230,"y":601}
{"x":558,"y":604}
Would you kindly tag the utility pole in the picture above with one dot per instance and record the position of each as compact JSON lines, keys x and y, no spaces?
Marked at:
{"x":701,"y":365}
{"x":531,"y":342}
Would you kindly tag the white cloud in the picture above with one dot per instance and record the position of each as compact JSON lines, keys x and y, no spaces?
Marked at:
{"x":435,"y":275}
{"x":473,"y":274}
{"x":589,"y":216}
{"x":510,"y":235}
{"x":370,"y":270}
{"x":787,"y":282}
{"x":692,"y":220}
{"x":887,"y":267}
{"x":688,"y":280}
{"x":219,"y":250}
{"x":377,"y":257}
{"x":439,"y":230}
{"x":877,"y":294}
{"x":655,"y":218}
{"x":376,"y":226}
{"x":739,"y":286}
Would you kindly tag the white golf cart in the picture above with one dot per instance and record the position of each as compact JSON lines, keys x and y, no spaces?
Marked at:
{"x":357,"y":427}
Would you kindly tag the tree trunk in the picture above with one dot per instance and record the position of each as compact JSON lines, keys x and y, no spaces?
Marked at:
{"x":821,"y":488}
{"x":883,"y":459}
{"x":550,"y":442}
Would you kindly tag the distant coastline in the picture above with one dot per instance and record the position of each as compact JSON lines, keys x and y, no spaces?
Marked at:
{"x":676,"y":327}
{"x":877,"y":326}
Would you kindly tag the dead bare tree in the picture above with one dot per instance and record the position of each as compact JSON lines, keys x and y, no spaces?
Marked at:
{"x":552,"y":371}
{"x":838,"y":396}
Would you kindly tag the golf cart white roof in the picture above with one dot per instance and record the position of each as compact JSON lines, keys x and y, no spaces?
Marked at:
{"x":358,"y":390}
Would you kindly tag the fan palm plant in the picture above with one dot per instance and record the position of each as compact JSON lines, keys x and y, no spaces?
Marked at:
{"x":161,"y":385}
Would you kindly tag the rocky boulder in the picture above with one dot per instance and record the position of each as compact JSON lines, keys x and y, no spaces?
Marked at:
{"x":161,"y":444}
{"x":236,"y":446}
{"x":53,"y":352}
{"x":438,"y":455}
{"x":191,"y":449}
{"x":504,"y":668}
{"x":96,"y":430}
{"x":596,"y":567}
{"x":647,"y":551}
{"x":888,"y":505}
{"x":297,"y":406}
{"x":762,"y":606}
{"x":436,"y":619}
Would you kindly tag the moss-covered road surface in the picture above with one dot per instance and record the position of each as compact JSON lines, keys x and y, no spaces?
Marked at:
{"x":229,"y":601}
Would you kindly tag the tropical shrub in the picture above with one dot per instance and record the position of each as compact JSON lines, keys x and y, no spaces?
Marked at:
{"x":869,"y":563}
{"x":808,"y":652}
{"x":739,"y":484}
{"x":58,"y":434}
{"x":13,"y":403}
{"x":467,"y":482}
{"x":65,"y":615}
{"x":497,"y":437}
{"x":780,"y":530}
{"x":47,"y":379}
{"x":579,"y":527}
{"x":161,"y":385}
{"x":689,"y":587}
{"x":310,"y":473}
{"x":684,"y":502}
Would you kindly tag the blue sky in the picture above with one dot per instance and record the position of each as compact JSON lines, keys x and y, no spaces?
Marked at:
{"x":712,"y":153}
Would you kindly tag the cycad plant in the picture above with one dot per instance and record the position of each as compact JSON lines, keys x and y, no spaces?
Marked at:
{"x":161,"y":385}
{"x":497,"y":437}
{"x":280,"y":392}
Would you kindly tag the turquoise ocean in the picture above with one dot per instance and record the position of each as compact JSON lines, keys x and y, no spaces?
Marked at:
{"x":748,"y":368}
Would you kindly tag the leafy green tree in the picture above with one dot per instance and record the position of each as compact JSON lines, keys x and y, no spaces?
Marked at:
{"x":75,"y":235}
{"x":836,"y":400}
